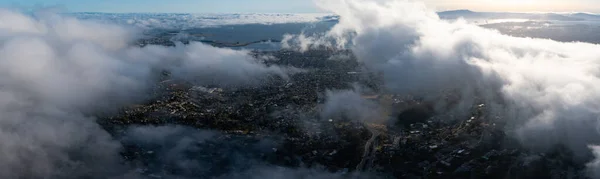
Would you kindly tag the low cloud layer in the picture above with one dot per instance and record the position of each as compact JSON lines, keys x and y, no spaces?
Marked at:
{"x":183,"y":152}
{"x":206,"y":65}
{"x":57,"y":72}
{"x":190,"y":21}
{"x":349,"y":105}
{"x":545,"y":90}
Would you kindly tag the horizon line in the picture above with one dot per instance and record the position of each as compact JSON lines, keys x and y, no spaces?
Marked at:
{"x":528,"y":12}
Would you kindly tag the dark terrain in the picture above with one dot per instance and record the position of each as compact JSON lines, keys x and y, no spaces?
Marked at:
{"x":278,"y":123}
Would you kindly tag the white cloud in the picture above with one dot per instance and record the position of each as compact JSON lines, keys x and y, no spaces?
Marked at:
{"x":57,"y":71}
{"x":547,"y":91}
{"x":188,"y":21}
{"x":349,"y":105}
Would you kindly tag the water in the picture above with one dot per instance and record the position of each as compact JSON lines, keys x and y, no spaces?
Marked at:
{"x":246,"y":28}
{"x":564,"y":31}
{"x":257,"y":32}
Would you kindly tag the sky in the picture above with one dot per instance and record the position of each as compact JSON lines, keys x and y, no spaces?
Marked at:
{"x":291,"y":6}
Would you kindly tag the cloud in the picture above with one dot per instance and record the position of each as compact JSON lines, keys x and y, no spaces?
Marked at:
{"x":282,"y":172}
{"x":349,"y":105}
{"x":172,"y":150}
{"x":594,"y":166}
{"x":183,"y":152}
{"x":203,"y":64}
{"x":190,"y":21}
{"x":57,"y":72}
{"x":545,"y":90}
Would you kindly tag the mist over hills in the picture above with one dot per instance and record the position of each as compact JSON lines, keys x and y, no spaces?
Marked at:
{"x":380,"y":89}
{"x":468,"y":14}
{"x":191,"y":20}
